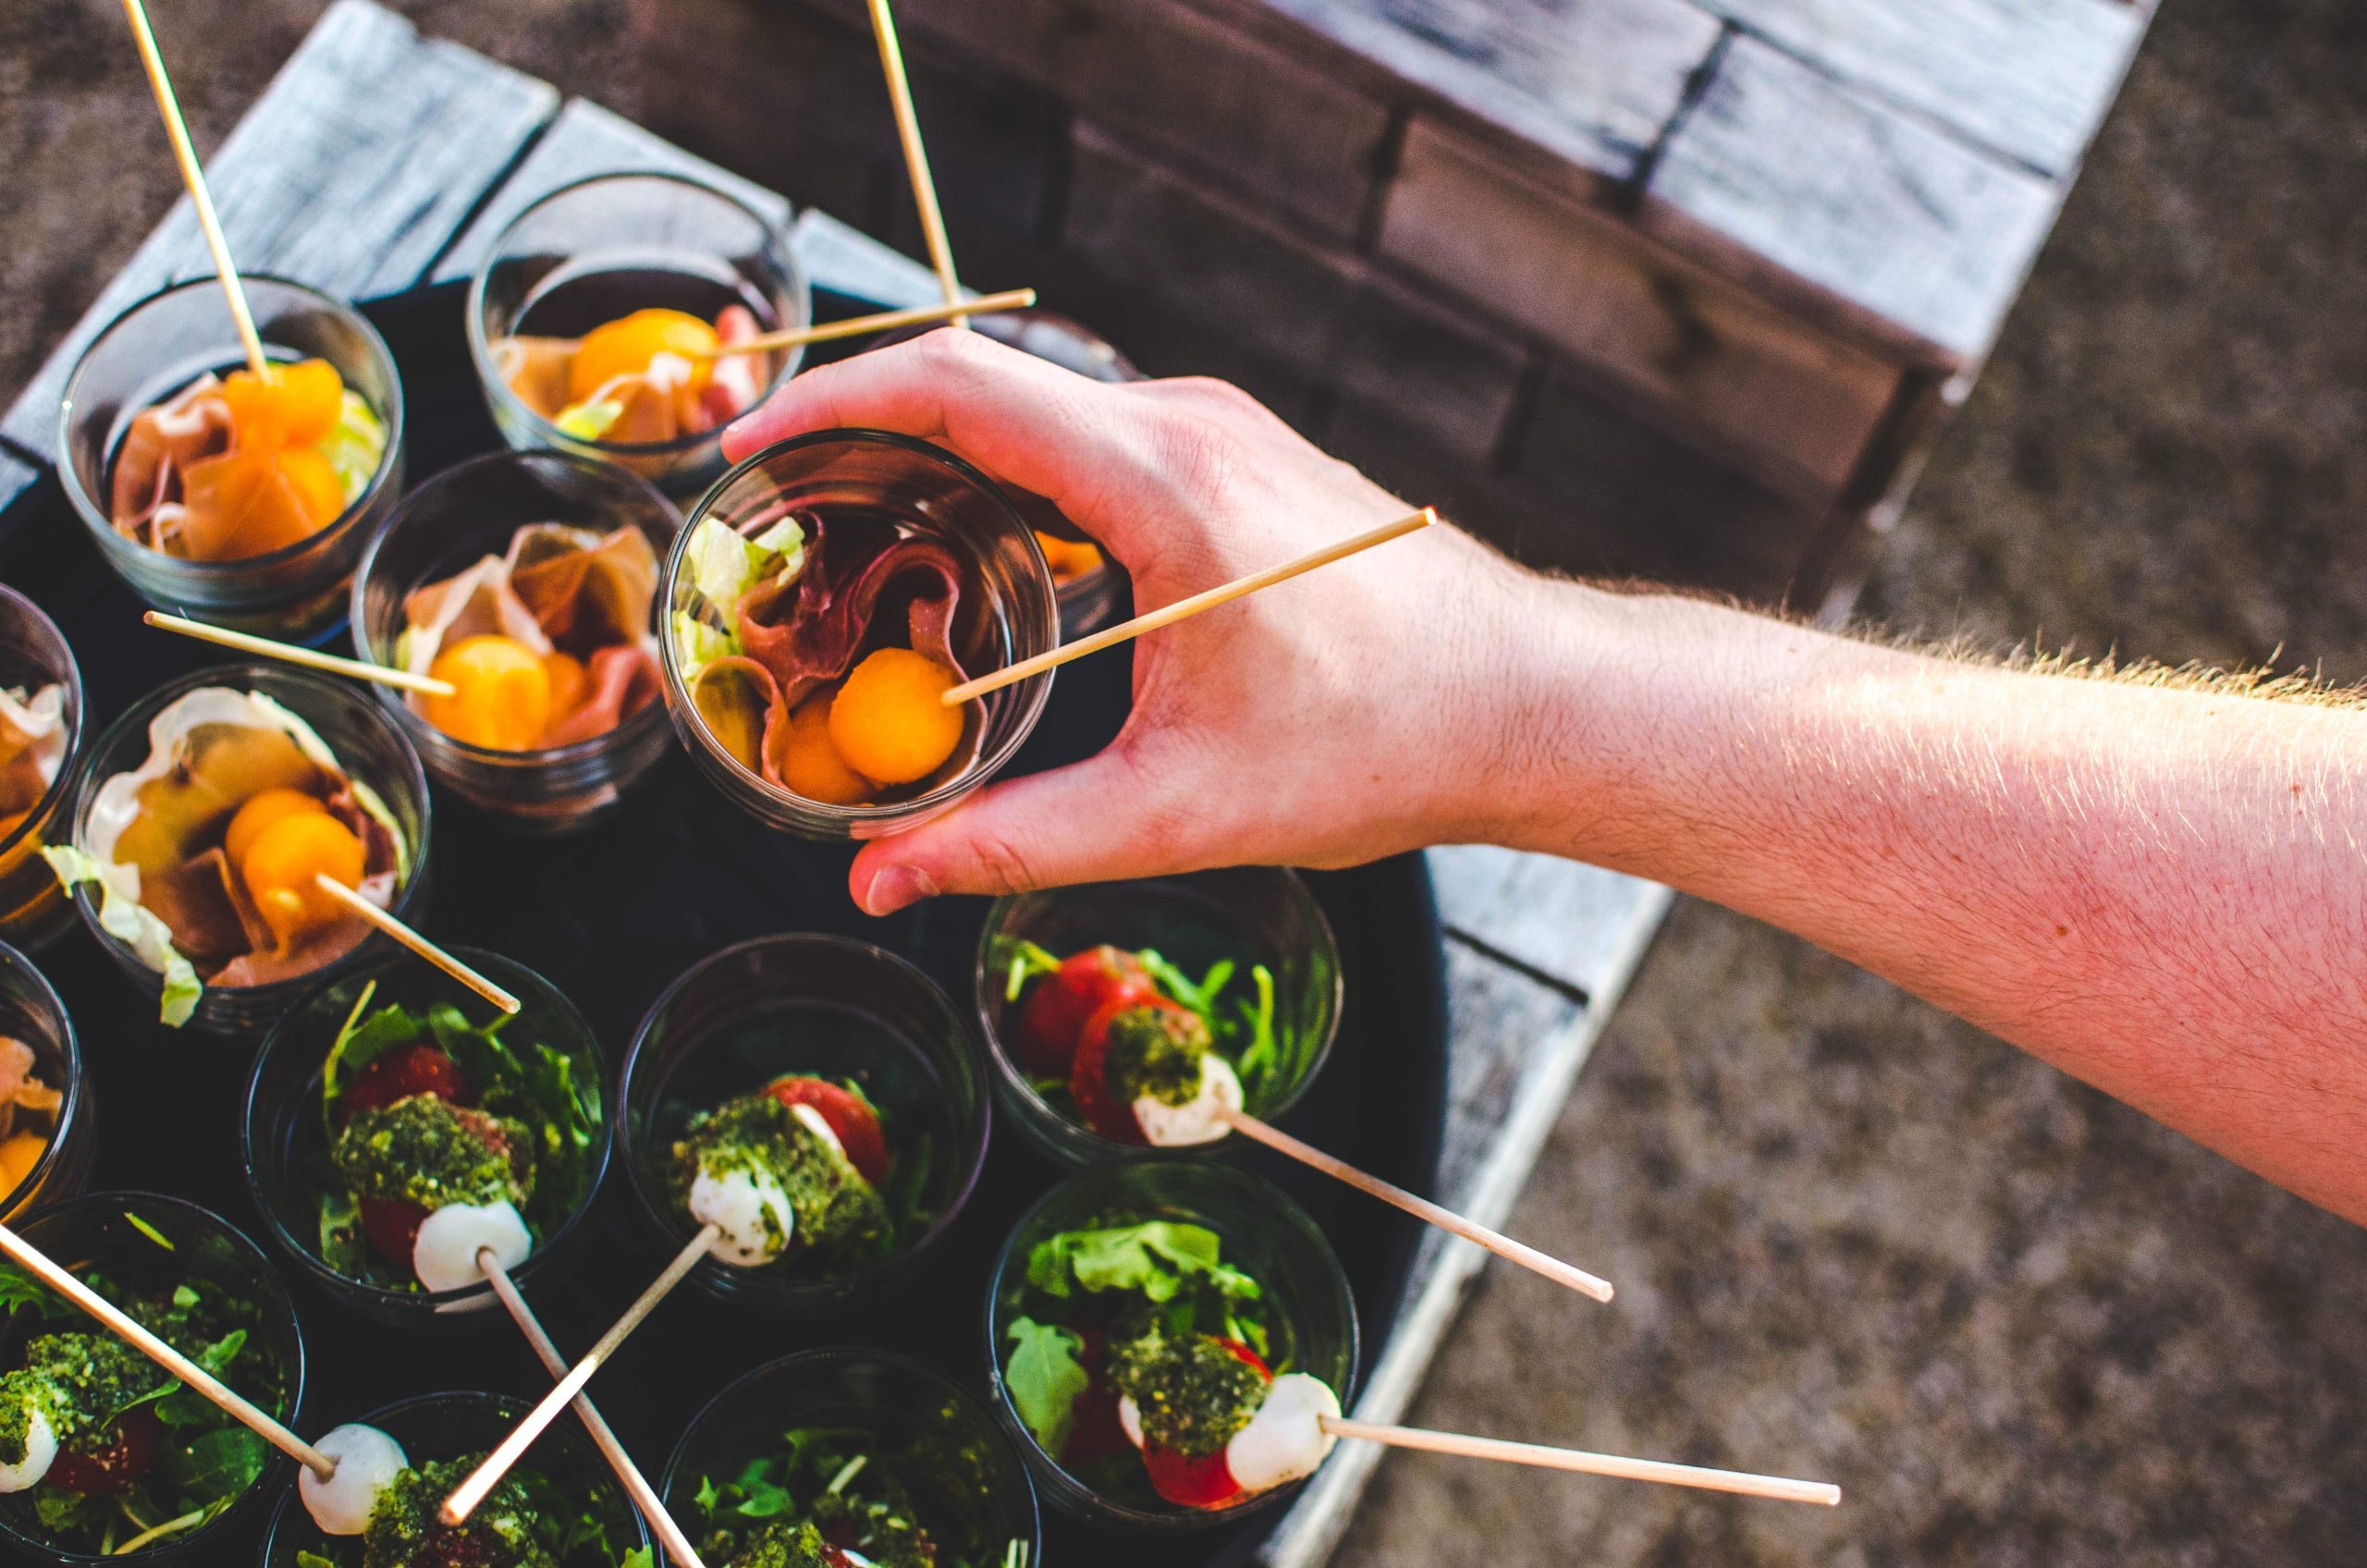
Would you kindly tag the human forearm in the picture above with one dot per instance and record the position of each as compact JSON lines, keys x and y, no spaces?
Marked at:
{"x":2163,"y":891}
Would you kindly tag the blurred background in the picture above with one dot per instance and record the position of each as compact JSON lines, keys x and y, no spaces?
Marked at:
{"x":1855,"y":1238}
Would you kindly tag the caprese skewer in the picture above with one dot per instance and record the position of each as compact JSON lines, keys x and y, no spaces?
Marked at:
{"x":792,"y":1170}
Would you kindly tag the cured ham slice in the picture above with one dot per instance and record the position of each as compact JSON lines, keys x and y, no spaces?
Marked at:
{"x":33,"y":748}
{"x":806,"y":632}
{"x":657,"y":395}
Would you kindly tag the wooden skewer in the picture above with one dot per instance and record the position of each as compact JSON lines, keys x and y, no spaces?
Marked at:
{"x":908,"y":131}
{"x":485,"y":1477}
{"x":452,"y":966}
{"x":34,"y":1262}
{"x":636,"y":1484}
{"x":193,"y":177}
{"x":885,"y":321}
{"x":1184,"y":609}
{"x":288,"y":653}
{"x":1781,"y":1489}
{"x":1421,"y":1208}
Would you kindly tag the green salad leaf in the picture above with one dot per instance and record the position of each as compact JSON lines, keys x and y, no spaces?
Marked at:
{"x":1045,"y":1378}
{"x":1153,"y":1259}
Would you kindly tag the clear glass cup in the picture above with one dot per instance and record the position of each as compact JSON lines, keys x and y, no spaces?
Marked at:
{"x":284,"y":1140}
{"x":446,"y":525}
{"x":453,"y":1425}
{"x":97,"y":1231}
{"x":369,"y":745}
{"x":1310,"y":1315}
{"x":31,"y":1012}
{"x":1250,"y":915}
{"x":606,"y":247}
{"x":968,"y":1486}
{"x":1008,"y":611}
{"x":33,"y":654}
{"x":160,"y":346}
{"x":829,"y":1007}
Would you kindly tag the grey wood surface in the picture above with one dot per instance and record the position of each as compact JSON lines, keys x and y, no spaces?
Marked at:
{"x":349,"y":174}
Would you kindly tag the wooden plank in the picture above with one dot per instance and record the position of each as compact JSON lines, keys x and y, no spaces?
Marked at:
{"x":351,"y":172}
{"x":843,"y":259}
{"x":1856,"y":197}
{"x":1572,"y":922}
{"x":587,"y":139}
{"x":2029,"y":78}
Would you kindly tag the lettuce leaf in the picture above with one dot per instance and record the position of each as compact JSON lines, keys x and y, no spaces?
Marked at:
{"x":355,"y":444}
{"x":122,"y":916}
{"x":1153,"y":1259}
{"x":698,"y":645}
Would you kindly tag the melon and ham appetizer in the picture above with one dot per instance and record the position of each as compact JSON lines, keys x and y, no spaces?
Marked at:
{"x":32,"y":749}
{"x":800,"y":666}
{"x":205,"y":855}
{"x":28,"y":1114}
{"x":237,"y":466}
{"x":647,"y":378}
{"x":791,"y":1173}
{"x":545,"y":645}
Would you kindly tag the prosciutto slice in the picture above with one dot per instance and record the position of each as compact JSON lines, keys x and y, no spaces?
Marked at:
{"x":32,"y":746}
{"x":806,"y":632}
{"x":145,"y":498}
{"x":665,"y":401}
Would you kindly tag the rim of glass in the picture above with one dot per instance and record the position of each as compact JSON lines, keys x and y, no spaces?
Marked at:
{"x":393,"y":416}
{"x":501,"y":968}
{"x":998,"y":913}
{"x":829,"y":1357}
{"x":69,"y":1047}
{"x":652,"y":717}
{"x":801,"y":294}
{"x":670,"y":1220}
{"x":239,"y":1242}
{"x":54,"y":796}
{"x":1032,"y":694}
{"x":87,"y":784}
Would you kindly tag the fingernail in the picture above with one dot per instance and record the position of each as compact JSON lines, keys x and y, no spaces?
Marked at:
{"x":893,"y":887}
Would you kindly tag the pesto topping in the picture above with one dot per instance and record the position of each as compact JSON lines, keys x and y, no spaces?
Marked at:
{"x":20,"y":1396}
{"x":404,"y":1530}
{"x":1156,"y":1051}
{"x":838,"y":1213}
{"x":1191,"y":1391}
{"x":786,"y":1546}
{"x":430,"y":1152}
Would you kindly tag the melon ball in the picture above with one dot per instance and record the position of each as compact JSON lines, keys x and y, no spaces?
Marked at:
{"x":889,"y":721}
{"x":810,"y":762}
{"x":261,"y":809}
{"x":501,"y":697}
{"x":281,"y":866}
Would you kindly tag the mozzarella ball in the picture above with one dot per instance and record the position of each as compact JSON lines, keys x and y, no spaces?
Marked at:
{"x":1195,"y":1121}
{"x":367,"y":1463}
{"x":751,"y":1209}
{"x":41,"y":1448}
{"x":813,"y":1123}
{"x":1286,"y":1438}
{"x":444,"y":1256}
{"x":1130,"y":1419}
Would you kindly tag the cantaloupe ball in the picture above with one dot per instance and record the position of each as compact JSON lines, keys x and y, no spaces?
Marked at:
{"x":889,"y":721}
{"x":19,"y":1152}
{"x":625,"y":346}
{"x":810,"y":764}
{"x":502,"y":693}
{"x":261,"y":809}
{"x":282,"y":861}
{"x":569,"y":681}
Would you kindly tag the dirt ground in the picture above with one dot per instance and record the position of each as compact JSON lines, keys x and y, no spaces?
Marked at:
{"x":1855,"y":1239}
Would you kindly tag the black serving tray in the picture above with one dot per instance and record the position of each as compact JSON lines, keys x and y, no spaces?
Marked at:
{"x":613,"y":914}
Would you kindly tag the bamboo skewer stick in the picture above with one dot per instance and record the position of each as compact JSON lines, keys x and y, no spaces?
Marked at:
{"x":486,"y":1476}
{"x":885,"y":321}
{"x":1781,"y":1489}
{"x":1421,"y":1208}
{"x":908,"y":131}
{"x":370,"y":914}
{"x":193,"y":177}
{"x":645,"y":1496}
{"x":1184,"y":608}
{"x":238,"y":1408}
{"x":288,"y":653}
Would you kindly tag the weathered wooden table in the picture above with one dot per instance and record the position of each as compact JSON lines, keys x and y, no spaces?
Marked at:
{"x":379,"y":160}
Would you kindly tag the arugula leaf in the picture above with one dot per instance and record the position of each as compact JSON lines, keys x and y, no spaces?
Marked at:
{"x":1153,"y":1259}
{"x":219,"y":1463}
{"x":149,"y":1231}
{"x":342,"y":1241}
{"x":760,"y":1497}
{"x":20,"y":1289}
{"x":639,"y":1557}
{"x":1201,"y":995}
{"x":185,"y":1296}
{"x":183,"y":1407}
{"x":1263,"y":1054}
{"x":1026,"y":960}
{"x":1045,"y":1379}
{"x":313,"y":1559}
{"x":706,"y":1494}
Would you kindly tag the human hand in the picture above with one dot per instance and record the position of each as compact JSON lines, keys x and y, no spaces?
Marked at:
{"x":1329,"y":720}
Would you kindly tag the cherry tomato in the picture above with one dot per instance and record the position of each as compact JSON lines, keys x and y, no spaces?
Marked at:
{"x":1055,"y":1012}
{"x":1090,"y":1085}
{"x":416,"y":1069}
{"x":129,"y":1449}
{"x":855,"y":1122}
{"x":392,"y":1226}
{"x":1205,"y":1482}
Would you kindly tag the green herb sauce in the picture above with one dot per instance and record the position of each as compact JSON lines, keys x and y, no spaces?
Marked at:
{"x":1156,"y":1051}
{"x":427,"y":1151}
{"x":840,"y":1214}
{"x":1193,"y":1394}
{"x":404,"y":1529}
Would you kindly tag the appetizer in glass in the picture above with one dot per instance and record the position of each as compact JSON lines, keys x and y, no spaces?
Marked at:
{"x":527,"y":581}
{"x":843,"y":1458}
{"x":47,"y":1123}
{"x":820,"y":1103}
{"x":561,"y":1509}
{"x":1122,"y":1014}
{"x":204,"y":817}
{"x":102,"y":1453}
{"x":243,"y":499}
{"x":41,"y":722}
{"x":826,"y":595}
{"x":396,"y":1123}
{"x":602,"y":320}
{"x":1170,"y":1336}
